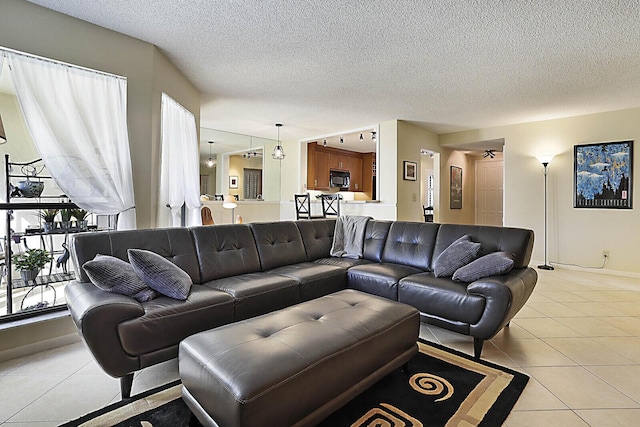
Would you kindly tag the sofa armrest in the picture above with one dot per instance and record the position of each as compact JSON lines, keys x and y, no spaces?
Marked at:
{"x":505,"y":295}
{"x":97,"y":314}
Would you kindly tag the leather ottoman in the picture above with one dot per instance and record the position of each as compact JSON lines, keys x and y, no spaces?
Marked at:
{"x":297,"y":365}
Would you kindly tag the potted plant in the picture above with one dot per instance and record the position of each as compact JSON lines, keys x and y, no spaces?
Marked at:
{"x":65,"y":217}
{"x":81,"y":217}
{"x":48,"y":216}
{"x":30,"y":263}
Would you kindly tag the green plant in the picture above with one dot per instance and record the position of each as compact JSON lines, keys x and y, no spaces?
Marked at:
{"x":33,"y":259}
{"x":48,"y":215}
{"x":79,"y":214}
{"x":65,"y":214}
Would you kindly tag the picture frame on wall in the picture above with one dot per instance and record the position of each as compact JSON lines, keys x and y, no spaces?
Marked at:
{"x":410,"y":171}
{"x":603,"y":175}
{"x":233,"y":181}
{"x":455,"y":193}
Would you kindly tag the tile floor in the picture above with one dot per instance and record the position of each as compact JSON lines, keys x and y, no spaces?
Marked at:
{"x":578,"y":338}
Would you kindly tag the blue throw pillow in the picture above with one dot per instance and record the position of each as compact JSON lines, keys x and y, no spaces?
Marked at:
{"x":492,"y":264}
{"x":160,"y":274}
{"x":461,"y":252}
{"x":112,"y":274}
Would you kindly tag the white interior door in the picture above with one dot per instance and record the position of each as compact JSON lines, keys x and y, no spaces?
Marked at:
{"x":489,"y":192}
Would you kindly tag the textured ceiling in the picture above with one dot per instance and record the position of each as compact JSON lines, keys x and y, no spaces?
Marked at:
{"x":326,"y":66}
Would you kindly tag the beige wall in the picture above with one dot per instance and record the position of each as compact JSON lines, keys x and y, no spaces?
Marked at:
{"x":466,"y":215}
{"x":575,"y":236}
{"x":30,"y":28}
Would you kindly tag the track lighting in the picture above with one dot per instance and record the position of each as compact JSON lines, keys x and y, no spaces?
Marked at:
{"x":361,"y":137}
{"x":341,"y":140}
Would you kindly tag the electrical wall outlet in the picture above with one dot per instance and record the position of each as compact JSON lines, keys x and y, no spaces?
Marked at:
{"x":605,"y":254}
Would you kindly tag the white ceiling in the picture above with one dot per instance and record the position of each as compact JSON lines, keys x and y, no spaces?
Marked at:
{"x":324,"y":66}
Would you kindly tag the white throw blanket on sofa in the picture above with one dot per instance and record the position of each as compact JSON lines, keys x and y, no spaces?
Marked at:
{"x":348,"y":236}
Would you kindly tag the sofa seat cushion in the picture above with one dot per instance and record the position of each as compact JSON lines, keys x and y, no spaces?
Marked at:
{"x":342,"y":262}
{"x":166,"y":321}
{"x":379,"y":278}
{"x":441,"y":297}
{"x":315,"y":279}
{"x":258,"y":293}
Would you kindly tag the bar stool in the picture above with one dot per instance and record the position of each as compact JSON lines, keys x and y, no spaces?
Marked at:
{"x":303,"y":207}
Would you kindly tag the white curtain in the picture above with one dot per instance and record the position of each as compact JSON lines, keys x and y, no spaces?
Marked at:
{"x":78,"y":121}
{"x":179,"y":170}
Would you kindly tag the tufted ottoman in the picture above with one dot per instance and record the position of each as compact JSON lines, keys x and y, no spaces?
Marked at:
{"x":297,"y":365}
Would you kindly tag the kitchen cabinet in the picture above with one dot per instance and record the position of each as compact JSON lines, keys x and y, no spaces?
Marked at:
{"x":321,"y":160}
{"x":317,"y":168}
{"x":355,"y":172}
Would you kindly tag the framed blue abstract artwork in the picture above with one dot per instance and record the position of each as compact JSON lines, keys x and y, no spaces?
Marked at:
{"x":603,"y":175}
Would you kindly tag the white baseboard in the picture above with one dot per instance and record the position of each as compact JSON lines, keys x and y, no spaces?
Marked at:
{"x":25,"y":350}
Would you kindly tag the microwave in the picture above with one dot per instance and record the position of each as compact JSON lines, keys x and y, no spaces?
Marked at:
{"x":339,"y":179}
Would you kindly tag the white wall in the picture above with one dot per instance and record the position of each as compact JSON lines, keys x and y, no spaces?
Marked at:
{"x":575,"y":236}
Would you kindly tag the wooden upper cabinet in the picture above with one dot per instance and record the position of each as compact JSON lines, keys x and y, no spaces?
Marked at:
{"x":322,"y":160}
{"x":338,"y":161}
{"x":322,"y":170}
{"x":355,"y":173}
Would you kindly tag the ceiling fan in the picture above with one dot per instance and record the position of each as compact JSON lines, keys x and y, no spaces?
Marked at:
{"x":488,"y":153}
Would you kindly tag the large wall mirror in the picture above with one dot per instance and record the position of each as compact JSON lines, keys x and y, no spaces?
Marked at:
{"x":232,"y":163}
{"x":344,"y":163}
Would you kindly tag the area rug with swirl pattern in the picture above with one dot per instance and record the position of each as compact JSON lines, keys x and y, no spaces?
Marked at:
{"x":442,"y":388}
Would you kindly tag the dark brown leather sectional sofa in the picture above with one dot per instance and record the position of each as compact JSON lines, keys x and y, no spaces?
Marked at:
{"x":242,"y":271}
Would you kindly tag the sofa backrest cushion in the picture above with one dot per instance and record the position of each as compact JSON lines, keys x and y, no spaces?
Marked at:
{"x":279,"y":243}
{"x":175,"y":244}
{"x":375,"y":237}
{"x":225,"y":250}
{"x":411,"y":243}
{"x":518,"y":241}
{"x":317,"y":236}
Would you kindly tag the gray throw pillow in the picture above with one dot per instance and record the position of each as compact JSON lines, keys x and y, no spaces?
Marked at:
{"x":160,"y":274}
{"x":112,"y":274}
{"x":491,"y":264}
{"x":459,"y":253}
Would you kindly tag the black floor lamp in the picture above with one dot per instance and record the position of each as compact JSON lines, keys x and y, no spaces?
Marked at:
{"x":545,"y":160}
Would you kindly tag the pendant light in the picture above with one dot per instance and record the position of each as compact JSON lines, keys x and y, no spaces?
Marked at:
{"x":278,"y":151}
{"x":210,"y":163}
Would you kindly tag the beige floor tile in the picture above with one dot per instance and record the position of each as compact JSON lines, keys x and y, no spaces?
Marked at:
{"x":546,"y":328}
{"x":18,"y":391}
{"x":527,"y":312}
{"x":600,"y":296}
{"x":70,"y":399}
{"x":63,"y":360}
{"x":592,"y":327}
{"x":597,"y":309}
{"x":631,"y":325}
{"x":513,"y":331}
{"x":578,"y":388}
{"x":585,"y":351}
{"x":630,"y":308}
{"x":611,"y":417}
{"x":564,"y":418}
{"x":536,"y":398}
{"x":32,"y":424}
{"x":528,"y":352}
{"x":556,"y":309}
{"x":629,"y":347}
{"x":623,"y":378}
{"x":559,"y":296}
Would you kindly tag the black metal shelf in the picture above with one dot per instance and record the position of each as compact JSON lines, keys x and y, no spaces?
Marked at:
{"x":45,"y":279}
